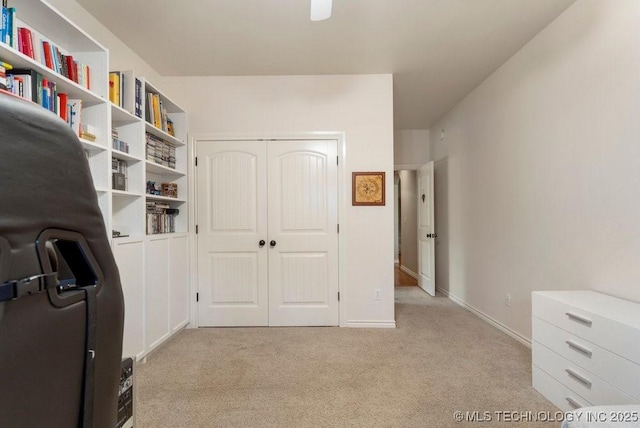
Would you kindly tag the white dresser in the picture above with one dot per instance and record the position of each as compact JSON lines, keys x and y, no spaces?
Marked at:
{"x":586,"y":348}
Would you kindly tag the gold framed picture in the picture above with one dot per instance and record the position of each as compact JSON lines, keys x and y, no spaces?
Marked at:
{"x":367,"y":188}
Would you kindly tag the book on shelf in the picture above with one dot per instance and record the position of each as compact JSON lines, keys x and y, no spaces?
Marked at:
{"x":170,"y":129}
{"x":5,"y":34}
{"x":63,"y":107}
{"x":116,"y":88}
{"x":138,"y":100}
{"x":117,"y":143}
{"x":13,"y":28}
{"x":87,"y":132}
{"x":4,"y":67}
{"x":74,"y":112}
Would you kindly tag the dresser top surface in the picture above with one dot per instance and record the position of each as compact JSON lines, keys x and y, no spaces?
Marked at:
{"x":615,"y":308}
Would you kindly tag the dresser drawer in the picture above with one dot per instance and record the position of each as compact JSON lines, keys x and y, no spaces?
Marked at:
{"x":564,"y":398}
{"x":581,"y":381}
{"x":616,"y":370}
{"x":606,"y":321}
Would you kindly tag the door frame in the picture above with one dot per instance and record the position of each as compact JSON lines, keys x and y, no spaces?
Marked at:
{"x":339,"y":137}
{"x":413,"y":167}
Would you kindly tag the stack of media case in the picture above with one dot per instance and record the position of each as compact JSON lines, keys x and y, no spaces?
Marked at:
{"x":160,"y":151}
{"x":119,"y":174}
{"x":161,"y":218}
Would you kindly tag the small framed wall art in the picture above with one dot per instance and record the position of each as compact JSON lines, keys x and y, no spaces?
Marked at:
{"x":367,"y":188}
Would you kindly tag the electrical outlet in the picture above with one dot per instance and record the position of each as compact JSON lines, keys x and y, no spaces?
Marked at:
{"x":507,"y":299}
{"x":377,"y":294}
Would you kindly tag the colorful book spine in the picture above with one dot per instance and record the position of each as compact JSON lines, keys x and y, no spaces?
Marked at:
{"x":138,"y":98}
{"x":114,"y":87}
{"x":63,"y":101}
{"x":75,"y":114}
{"x":48,"y":60}
{"x":14,"y":27}
{"x":5,"y":33}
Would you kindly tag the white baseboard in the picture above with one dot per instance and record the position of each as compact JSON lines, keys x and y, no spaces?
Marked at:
{"x":409,"y":272}
{"x":370,"y":324}
{"x":503,"y":328}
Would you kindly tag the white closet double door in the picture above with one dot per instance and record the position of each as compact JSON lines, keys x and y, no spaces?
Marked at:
{"x":267,"y":238}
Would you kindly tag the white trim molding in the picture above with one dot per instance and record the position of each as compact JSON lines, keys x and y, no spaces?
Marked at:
{"x":503,"y":328}
{"x":409,"y":272}
{"x":370,"y":324}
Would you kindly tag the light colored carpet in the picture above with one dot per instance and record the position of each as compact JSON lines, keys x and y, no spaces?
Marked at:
{"x":439,"y":359}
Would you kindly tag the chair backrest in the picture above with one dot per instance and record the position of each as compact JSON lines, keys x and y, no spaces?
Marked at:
{"x":60,"y":334}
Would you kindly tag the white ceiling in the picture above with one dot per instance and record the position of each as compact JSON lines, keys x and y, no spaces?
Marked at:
{"x":438,"y":50}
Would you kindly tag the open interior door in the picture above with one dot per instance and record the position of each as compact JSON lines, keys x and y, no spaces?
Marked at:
{"x":426,"y":230}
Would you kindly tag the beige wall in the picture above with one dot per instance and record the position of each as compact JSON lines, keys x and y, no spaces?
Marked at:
{"x":543,"y":168}
{"x":120,"y":56}
{"x":361,"y":106}
{"x":410,"y":147}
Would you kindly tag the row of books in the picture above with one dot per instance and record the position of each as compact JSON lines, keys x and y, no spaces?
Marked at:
{"x":160,"y":151}
{"x":156,"y":114}
{"x":4,"y":66}
{"x":30,"y":85}
{"x":161,"y":218}
{"x":31,"y":44}
{"x":117,"y":143}
{"x":118,"y":174}
{"x":118,"y":93}
{"x":119,"y":166}
{"x":35,"y":46}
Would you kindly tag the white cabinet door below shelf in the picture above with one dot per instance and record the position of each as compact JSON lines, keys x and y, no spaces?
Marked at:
{"x":130,"y":259}
{"x":179,"y":282}
{"x":157,"y":292}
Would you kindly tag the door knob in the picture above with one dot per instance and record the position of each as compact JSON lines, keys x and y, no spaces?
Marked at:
{"x":428,"y":235}
{"x":261,"y":243}
{"x":272,"y":244}
{"x":432,"y":235}
{"x":423,"y":197}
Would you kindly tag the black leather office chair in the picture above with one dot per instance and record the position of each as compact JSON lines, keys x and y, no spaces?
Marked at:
{"x":61,"y":304}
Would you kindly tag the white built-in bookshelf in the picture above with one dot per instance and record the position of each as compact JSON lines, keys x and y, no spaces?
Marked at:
{"x":46,"y":23}
{"x":153,"y":267}
{"x":158,"y":260}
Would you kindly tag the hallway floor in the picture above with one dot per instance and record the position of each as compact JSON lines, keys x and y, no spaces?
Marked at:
{"x":402,"y":279}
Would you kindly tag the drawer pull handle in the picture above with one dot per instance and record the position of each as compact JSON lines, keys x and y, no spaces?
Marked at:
{"x":579,"y":378}
{"x":579,"y":348}
{"x":579,"y":318}
{"x":573,"y":403}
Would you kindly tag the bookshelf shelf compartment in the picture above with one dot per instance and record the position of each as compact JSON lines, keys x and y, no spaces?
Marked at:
{"x":161,"y":134}
{"x":125,"y":193}
{"x":120,"y":116}
{"x":155,"y":168}
{"x":124,"y":156}
{"x":164,"y":198}
{"x":91,"y":146}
